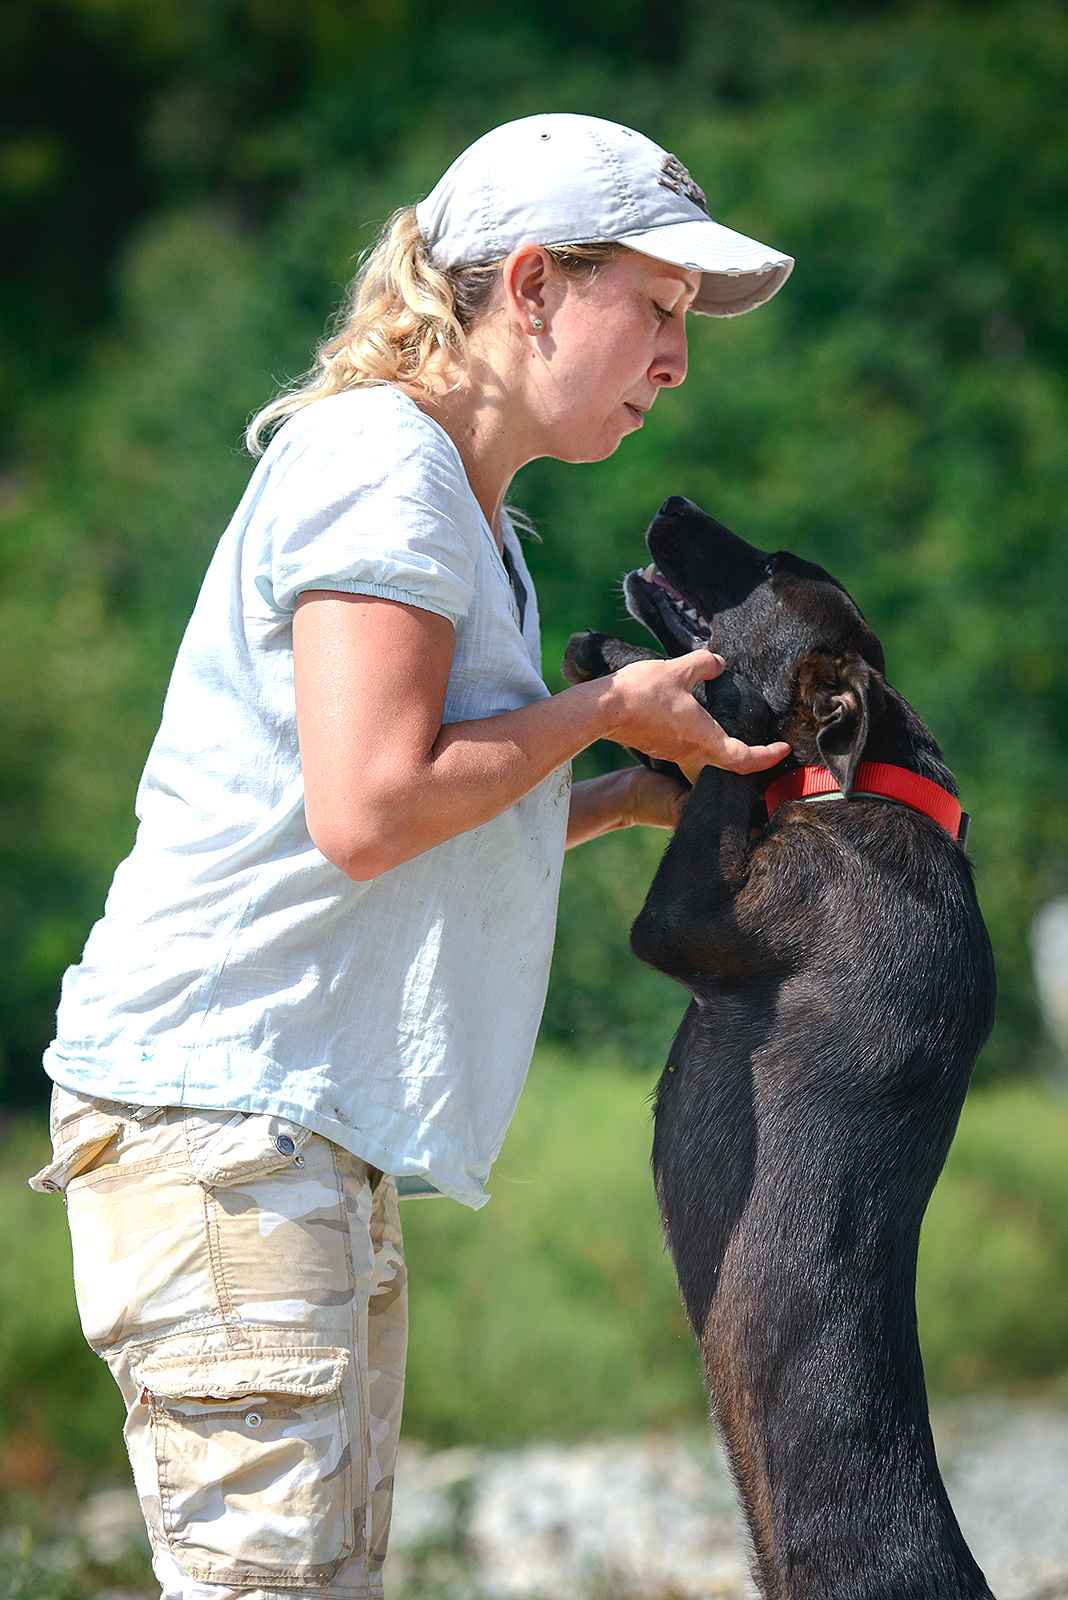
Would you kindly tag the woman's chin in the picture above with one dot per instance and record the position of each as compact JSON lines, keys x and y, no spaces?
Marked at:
{"x":593,"y":447}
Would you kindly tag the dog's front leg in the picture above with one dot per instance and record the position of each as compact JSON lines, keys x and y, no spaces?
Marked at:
{"x":595,"y":655}
{"x":691,"y":926}
{"x":698,"y":927}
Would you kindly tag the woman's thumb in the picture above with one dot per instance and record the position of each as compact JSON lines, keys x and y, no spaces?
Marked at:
{"x":702,"y":665}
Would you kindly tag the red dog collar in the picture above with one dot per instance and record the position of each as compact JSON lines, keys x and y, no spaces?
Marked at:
{"x":875,"y":777}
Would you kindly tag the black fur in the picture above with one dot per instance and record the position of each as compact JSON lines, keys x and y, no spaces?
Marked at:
{"x":842,"y":986}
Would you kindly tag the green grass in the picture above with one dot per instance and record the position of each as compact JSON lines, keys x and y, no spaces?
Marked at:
{"x":35,"y":1565}
{"x":59,"y":1409}
{"x":553,"y":1311}
{"x":992,"y":1287}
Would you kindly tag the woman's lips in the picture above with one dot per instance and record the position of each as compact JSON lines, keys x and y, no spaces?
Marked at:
{"x":639,"y":416}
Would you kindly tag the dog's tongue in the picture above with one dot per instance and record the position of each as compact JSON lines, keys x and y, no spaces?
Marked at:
{"x":652,"y":576}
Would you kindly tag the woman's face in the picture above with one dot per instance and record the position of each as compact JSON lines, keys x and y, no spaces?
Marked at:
{"x":610,"y":343}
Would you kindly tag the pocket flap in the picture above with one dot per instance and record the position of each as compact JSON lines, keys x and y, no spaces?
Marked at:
{"x":248,"y":1146}
{"x":230,"y":1377}
{"x":81,"y":1129}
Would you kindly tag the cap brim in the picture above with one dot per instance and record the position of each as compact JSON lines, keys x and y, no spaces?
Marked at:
{"x":737,"y":273}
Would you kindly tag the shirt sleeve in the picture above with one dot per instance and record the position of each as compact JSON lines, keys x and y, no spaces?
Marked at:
{"x":366,"y":495}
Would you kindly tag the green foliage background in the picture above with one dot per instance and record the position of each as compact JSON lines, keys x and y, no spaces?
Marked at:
{"x":183,"y":185}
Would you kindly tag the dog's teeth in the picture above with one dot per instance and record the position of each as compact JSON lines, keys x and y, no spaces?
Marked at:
{"x":650,"y":572}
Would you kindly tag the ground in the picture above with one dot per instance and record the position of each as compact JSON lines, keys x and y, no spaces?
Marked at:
{"x":646,"y":1518}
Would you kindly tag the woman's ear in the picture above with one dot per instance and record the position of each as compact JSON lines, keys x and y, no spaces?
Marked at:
{"x":835,"y":692}
{"x":526,"y":278}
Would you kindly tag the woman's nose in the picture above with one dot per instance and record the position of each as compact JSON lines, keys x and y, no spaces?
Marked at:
{"x":670,"y":367}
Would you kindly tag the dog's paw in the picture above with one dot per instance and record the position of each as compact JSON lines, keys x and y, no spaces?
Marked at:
{"x":584,"y":657}
{"x":595,"y":655}
{"x":738,"y":706}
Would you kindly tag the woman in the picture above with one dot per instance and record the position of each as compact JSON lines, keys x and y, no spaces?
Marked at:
{"x":319,"y":975}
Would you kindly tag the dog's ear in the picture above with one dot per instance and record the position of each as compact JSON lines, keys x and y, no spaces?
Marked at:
{"x":835,"y":692}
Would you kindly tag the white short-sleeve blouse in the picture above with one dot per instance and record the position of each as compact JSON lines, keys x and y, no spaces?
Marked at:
{"x":234,"y":966}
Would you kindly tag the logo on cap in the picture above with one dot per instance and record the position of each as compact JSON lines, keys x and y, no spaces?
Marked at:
{"x":673,"y":175}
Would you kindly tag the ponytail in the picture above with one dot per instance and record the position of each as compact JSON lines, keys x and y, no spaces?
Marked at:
{"x":401,"y":318}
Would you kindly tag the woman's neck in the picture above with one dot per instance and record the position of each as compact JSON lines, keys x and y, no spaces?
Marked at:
{"x":483,"y":418}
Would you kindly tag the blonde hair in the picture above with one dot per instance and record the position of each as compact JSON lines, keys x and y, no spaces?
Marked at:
{"x":401,"y":317}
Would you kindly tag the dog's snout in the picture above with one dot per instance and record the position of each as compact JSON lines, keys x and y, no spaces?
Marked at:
{"x":673,"y":505}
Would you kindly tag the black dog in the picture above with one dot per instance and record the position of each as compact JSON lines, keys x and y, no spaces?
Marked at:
{"x":843,"y":985}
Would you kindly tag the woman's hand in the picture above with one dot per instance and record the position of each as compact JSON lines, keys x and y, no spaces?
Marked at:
{"x":653,"y":710}
{"x":633,"y":795}
{"x":655,"y":799}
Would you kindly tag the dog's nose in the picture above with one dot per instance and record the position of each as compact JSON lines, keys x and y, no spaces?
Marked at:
{"x":673,"y":505}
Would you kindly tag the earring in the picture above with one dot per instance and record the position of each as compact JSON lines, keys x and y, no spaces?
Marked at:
{"x":537,"y":324}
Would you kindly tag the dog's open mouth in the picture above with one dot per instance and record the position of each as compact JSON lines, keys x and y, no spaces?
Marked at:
{"x":657,"y":605}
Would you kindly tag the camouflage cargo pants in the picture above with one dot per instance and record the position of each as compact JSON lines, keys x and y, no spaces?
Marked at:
{"x":244,"y":1280}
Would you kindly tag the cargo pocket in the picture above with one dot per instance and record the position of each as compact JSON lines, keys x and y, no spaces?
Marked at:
{"x":82,"y":1129}
{"x":254,"y":1465}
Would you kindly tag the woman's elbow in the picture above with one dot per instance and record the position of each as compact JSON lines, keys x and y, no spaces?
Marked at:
{"x":362,"y":855}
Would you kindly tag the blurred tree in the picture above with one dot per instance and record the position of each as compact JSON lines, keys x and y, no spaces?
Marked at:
{"x":898,"y":413}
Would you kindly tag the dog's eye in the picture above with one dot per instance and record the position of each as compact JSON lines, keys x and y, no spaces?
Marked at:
{"x":769,"y":566}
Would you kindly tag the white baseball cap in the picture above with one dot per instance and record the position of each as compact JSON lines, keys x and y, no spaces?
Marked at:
{"x":564,"y":179}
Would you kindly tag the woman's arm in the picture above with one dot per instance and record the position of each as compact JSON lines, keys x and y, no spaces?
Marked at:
{"x":385,"y":781}
{"x":621,"y":799}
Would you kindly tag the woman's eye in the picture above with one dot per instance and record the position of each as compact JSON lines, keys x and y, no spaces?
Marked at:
{"x":662,"y":312}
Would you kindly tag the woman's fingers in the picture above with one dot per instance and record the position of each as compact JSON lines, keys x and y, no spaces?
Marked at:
{"x":656,"y":799}
{"x":734,"y":756}
{"x":730,"y":753}
{"x":659,"y":715}
{"x":737,"y":756}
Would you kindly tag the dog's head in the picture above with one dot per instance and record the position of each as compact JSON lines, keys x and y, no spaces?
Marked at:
{"x":782,"y":623}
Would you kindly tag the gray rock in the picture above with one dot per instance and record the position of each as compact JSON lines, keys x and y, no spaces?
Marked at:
{"x":654,"y":1519}
{"x":1049,"y":947}
{"x":1008,"y":1479}
{"x":650,"y":1517}
{"x":426,"y":1506}
{"x":110,"y":1525}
